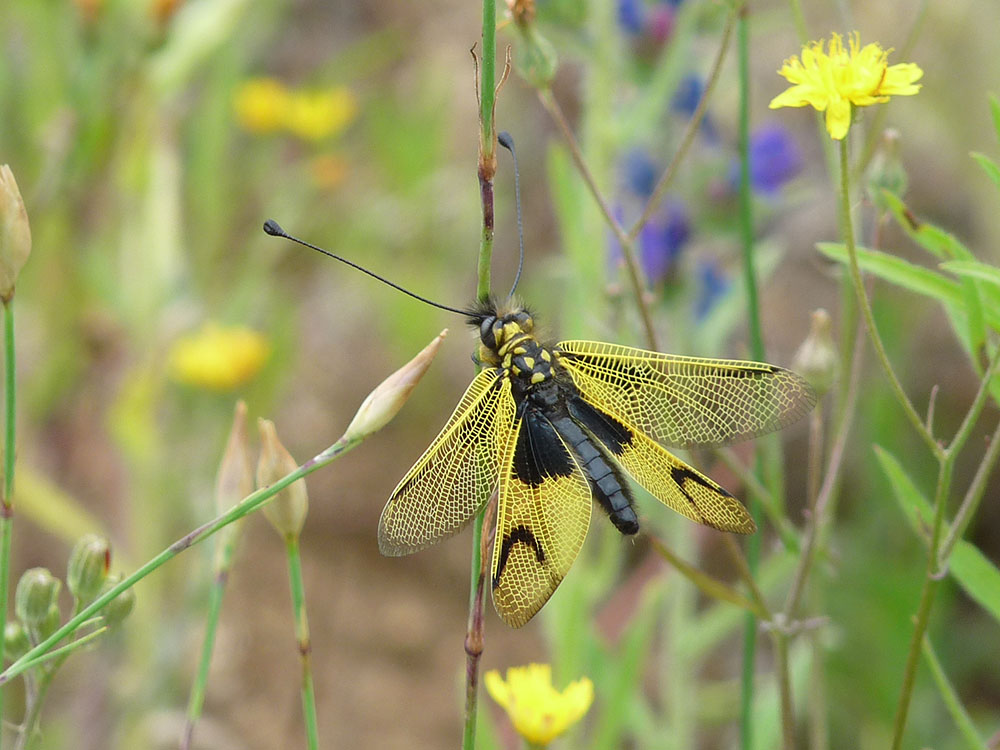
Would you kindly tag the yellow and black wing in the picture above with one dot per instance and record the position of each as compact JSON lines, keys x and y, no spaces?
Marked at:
{"x":542,"y":519}
{"x":686,"y":402}
{"x":454,"y":477}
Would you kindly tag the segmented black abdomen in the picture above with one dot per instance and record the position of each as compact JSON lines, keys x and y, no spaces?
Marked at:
{"x":606,"y":482}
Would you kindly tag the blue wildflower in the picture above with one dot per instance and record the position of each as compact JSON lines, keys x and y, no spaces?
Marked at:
{"x":775,"y":158}
{"x":631,"y":16}
{"x":640,"y":172}
{"x":662,"y":239}
{"x":685,"y":102}
{"x":688,"y":94}
{"x":713,"y":285}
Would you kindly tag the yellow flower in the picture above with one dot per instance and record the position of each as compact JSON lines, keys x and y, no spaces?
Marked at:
{"x":262,"y":105}
{"x":539,"y":712}
{"x":833,"y":81}
{"x":218,"y":358}
{"x":315,"y":115}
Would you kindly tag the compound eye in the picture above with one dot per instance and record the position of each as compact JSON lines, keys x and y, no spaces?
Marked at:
{"x":486,"y":333}
{"x":524,"y":321}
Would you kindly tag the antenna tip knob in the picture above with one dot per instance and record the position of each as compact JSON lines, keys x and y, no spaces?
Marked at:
{"x":273,"y":228}
{"x":506,"y":140}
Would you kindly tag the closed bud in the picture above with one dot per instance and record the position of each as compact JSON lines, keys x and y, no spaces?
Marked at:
{"x":235,"y":479}
{"x":36,"y":592}
{"x":15,"y":234}
{"x":15,"y":638}
{"x":121,"y":606}
{"x":88,"y":567}
{"x":886,"y":172}
{"x":816,"y":359}
{"x":50,"y":624}
{"x":233,"y":482}
{"x":388,"y":398}
{"x":287,"y":510}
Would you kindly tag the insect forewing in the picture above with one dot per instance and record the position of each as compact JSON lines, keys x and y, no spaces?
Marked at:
{"x":686,"y":402}
{"x":454,"y":477}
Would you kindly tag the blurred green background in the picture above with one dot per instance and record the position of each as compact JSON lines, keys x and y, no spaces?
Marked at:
{"x":147,"y":167}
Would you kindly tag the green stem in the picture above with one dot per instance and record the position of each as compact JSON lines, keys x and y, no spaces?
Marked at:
{"x":932,"y":580}
{"x":248,"y":505}
{"x":487,"y":168}
{"x":757,"y":352}
{"x":951,"y":700}
{"x":866,"y":308}
{"x":302,"y":637}
{"x":973,"y":496}
{"x":9,"y":454}
{"x":196,"y":700}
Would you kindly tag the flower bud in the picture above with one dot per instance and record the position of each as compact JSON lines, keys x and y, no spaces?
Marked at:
{"x":816,"y":359}
{"x":36,"y":592}
{"x":287,"y":510}
{"x":15,"y":638}
{"x":120,"y":607}
{"x":886,"y":172}
{"x":235,"y":479}
{"x":15,"y":234}
{"x":51,"y":623}
{"x":388,"y":398}
{"x":88,"y":567}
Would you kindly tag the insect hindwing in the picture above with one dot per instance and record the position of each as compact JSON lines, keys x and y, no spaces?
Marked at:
{"x":542,"y":519}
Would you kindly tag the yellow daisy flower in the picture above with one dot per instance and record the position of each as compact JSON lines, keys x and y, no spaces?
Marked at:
{"x":218,"y":358}
{"x":538,"y":711}
{"x":314,"y":115}
{"x":261,"y":105}
{"x":834,"y":81}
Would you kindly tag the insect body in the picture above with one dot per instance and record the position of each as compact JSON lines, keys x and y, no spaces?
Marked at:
{"x":550,"y":428}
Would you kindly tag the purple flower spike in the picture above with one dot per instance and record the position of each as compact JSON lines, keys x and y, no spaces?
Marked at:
{"x":662,"y":239}
{"x":775,"y":158}
{"x":631,"y":16}
{"x":712,"y":287}
{"x":688,"y":94}
{"x":640,"y":172}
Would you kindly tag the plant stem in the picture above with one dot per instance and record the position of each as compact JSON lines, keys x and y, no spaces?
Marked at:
{"x":757,"y":352}
{"x":931,"y":581}
{"x":302,"y":637}
{"x":227,"y":542}
{"x":248,"y":505}
{"x":9,"y":455}
{"x":970,"y":503}
{"x":866,"y":308}
{"x":951,"y":700}
{"x":485,"y":85}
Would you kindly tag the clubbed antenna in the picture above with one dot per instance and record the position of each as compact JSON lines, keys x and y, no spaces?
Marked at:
{"x":274,"y":229}
{"x":505,"y":140}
